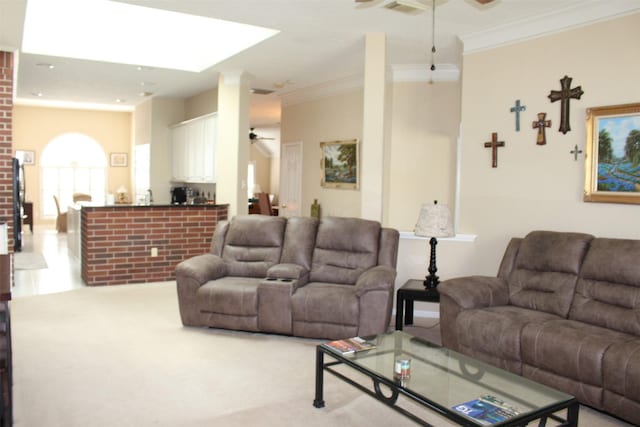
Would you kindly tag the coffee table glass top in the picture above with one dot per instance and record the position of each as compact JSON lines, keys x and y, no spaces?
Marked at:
{"x":446,"y":379}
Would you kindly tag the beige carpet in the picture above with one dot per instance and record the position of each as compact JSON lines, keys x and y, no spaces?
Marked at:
{"x":118,"y":356}
{"x":29,"y":261}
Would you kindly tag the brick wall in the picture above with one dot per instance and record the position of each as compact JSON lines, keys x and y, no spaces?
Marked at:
{"x":116,"y":241}
{"x":6,"y":141}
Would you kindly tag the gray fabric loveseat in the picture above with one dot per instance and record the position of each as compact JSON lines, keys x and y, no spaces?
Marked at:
{"x":332,"y":278}
{"x":564,"y":310}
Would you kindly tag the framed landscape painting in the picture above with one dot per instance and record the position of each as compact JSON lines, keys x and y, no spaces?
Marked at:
{"x":340,"y":164}
{"x":612,"y":170}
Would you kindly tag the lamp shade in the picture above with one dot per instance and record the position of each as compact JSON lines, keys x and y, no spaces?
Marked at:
{"x":434,"y":221}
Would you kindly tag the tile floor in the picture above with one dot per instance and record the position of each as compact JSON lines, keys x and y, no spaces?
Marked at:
{"x":62,"y":272}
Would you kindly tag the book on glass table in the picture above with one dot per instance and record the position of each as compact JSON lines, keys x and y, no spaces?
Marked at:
{"x":487,"y":410}
{"x":350,"y":345}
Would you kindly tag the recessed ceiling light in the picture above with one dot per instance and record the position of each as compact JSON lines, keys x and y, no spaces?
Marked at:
{"x":147,"y":84}
{"x":113,"y":31}
{"x":38,"y":94}
{"x":120,"y":100}
{"x":45,"y":65}
{"x":145,"y":93}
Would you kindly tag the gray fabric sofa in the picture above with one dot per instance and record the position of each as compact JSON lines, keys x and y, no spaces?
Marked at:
{"x":332,"y":278}
{"x":564,"y":310}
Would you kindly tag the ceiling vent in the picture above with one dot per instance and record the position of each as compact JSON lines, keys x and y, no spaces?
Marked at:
{"x":262,"y":91}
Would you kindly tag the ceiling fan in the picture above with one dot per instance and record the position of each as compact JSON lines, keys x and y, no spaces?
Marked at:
{"x":253,"y":137}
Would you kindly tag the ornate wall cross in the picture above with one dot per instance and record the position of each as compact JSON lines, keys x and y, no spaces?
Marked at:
{"x":494,"y":144}
{"x":516,"y":109}
{"x":541,"y":124}
{"x":575,"y":152}
{"x":564,"y":95}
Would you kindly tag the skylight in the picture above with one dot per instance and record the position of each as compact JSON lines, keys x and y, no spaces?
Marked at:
{"x":116,"y":32}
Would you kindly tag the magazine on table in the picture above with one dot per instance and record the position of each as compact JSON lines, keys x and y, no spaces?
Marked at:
{"x":487,"y":410}
{"x":350,"y":345}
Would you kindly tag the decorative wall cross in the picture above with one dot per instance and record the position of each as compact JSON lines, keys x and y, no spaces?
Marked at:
{"x":541,"y":124}
{"x":516,"y":109}
{"x":564,"y":95}
{"x":494,"y":144}
{"x":575,"y":152}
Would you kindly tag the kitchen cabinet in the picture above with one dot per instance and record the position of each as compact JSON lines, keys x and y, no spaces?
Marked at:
{"x":193,"y":147}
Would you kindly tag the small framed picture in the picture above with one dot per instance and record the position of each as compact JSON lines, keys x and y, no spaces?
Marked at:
{"x":26,"y":157}
{"x":119,"y":159}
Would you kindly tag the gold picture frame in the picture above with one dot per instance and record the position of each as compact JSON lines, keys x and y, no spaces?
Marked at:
{"x":340,"y":164}
{"x":119,"y":160}
{"x":612,"y":168}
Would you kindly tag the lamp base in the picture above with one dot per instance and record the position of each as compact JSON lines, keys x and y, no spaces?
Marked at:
{"x":431,"y":281}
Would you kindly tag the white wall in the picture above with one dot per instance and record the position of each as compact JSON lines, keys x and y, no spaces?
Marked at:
{"x":540,"y":187}
{"x":329,"y":119}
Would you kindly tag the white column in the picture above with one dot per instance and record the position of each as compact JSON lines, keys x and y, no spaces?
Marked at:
{"x":373,"y":172}
{"x":232,"y":145}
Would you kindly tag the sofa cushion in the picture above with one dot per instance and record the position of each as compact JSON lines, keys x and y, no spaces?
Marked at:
{"x":229,"y":295}
{"x":325,"y":303}
{"x":608,"y":291}
{"x":572,"y":349}
{"x":253,"y":243}
{"x":493,"y":334}
{"x":345,"y":247}
{"x":621,"y":369}
{"x":546,"y":271}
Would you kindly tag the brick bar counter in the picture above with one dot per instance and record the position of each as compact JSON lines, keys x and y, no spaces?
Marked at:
{"x":119,"y":242}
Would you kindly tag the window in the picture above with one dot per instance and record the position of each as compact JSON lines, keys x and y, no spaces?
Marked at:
{"x":71,"y":163}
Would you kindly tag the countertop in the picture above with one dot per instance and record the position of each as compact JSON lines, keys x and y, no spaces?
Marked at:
{"x":127,"y":205}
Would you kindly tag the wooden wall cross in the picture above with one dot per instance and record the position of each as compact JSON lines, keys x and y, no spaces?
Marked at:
{"x":516,"y":109}
{"x":494,"y":144}
{"x":541,"y":123}
{"x":564,"y":95}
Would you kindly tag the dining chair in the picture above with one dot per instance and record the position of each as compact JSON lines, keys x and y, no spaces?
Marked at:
{"x":61,"y":220}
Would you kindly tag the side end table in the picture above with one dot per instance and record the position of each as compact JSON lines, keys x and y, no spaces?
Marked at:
{"x":412,"y":290}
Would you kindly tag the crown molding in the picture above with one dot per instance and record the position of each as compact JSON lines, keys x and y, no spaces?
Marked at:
{"x":585,"y":13}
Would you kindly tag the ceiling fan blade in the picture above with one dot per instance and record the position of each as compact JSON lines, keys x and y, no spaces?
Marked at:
{"x":364,"y":4}
{"x":484,"y":1}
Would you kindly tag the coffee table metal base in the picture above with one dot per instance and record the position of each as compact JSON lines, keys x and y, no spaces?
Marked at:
{"x":572,"y":407}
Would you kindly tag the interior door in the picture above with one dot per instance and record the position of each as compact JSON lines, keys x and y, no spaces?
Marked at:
{"x":291,"y":179}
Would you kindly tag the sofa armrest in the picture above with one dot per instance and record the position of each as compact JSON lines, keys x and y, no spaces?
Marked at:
{"x":476,"y":291}
{"x":202,"y":268}
{"x":289,"y":271}
{"x":378,"y":278}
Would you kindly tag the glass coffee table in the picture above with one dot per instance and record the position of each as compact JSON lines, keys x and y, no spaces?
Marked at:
{"x":443,"y":381}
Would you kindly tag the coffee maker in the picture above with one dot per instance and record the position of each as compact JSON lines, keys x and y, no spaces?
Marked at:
{"x":179,"y":195}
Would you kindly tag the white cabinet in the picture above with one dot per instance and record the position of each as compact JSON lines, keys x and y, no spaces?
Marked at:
{"x":193,"y":149}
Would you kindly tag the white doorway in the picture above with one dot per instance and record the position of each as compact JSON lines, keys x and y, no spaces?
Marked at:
{"x":291,"y":180}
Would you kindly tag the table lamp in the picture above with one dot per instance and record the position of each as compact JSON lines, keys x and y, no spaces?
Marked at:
{"x":434,"y":221}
